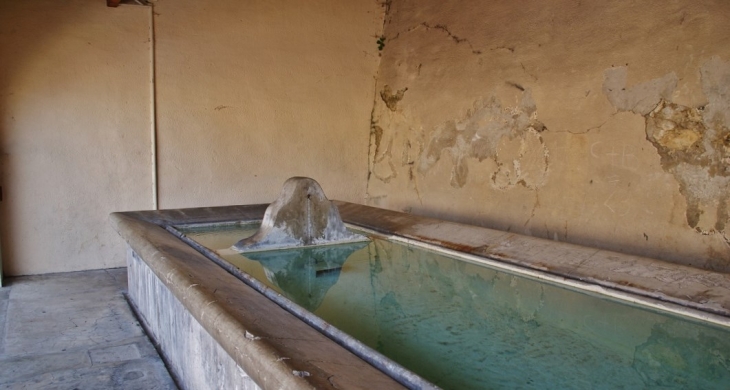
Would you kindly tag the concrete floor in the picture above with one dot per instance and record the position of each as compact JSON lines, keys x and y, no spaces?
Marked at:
{"x":74,"y":331}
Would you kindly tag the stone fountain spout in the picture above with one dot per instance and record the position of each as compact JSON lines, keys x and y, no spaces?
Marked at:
{"x":301,"y":216}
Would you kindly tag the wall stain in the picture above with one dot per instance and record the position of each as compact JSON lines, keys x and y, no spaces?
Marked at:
{"x":391,"y":99}
{"x":693,"y":142}
{"x":383,"y":172}
{"x":408,"y":161}
{"x":479,"y":135}
{"x":513,"y":84}
{"x":377,"y":133}
{"x":383,"y":144}
{"x":508,"y":48}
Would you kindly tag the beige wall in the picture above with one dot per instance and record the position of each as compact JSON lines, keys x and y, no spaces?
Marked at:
{"x":251,"y":93}
{"x":74,"y":131}
{"x":531,"y":117}
{"x":539,"y":118}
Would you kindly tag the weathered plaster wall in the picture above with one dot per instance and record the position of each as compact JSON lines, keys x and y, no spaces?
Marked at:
{"x":603,"y":124}
{"x":74,"y":131}
{"x":599,"y":123}
{"x":251,"y":93}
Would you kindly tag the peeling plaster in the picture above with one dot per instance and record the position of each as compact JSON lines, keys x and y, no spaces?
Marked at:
{"x":480,"y":134}
{"x":527,"y":166}
{"x":609,"y":174}
{"x":693,"y":142}
{"x":640,"y":98}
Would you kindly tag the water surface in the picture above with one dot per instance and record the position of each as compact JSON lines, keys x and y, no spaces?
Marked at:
{"x":462,"y":325}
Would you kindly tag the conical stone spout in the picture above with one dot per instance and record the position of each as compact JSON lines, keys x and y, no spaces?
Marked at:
{"x":301,"y":216}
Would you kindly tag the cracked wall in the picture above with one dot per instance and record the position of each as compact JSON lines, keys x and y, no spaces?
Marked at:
{"x":604,"y":125}
{"x":693,"y":142}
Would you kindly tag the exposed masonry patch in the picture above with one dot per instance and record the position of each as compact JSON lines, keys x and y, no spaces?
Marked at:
{"x":693,"y":142}
{"x":487,"y":128}
{"x":677,"y":129}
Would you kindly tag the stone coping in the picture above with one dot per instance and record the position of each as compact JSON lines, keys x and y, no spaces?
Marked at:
{"x":275,"y":348}
{"x":705,"y":294}
{"x":233,"y":312}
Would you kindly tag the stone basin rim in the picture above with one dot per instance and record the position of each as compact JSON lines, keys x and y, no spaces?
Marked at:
{"x":633,"y":295}
{"x":695,"y":288}
{"x":691,"y":290}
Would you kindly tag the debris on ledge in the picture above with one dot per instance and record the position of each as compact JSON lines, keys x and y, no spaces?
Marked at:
{"x":301,"y":216}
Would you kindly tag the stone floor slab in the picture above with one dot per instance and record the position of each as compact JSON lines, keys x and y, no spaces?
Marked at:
{"x":74,"y":330}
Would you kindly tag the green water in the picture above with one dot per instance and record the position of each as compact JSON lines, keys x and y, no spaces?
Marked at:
{"x":467,"y":326}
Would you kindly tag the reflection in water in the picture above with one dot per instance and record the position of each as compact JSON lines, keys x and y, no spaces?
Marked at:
{"x":465,"y":326}
{"x":305,"y":275}
{"x":678,"y":355}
